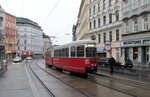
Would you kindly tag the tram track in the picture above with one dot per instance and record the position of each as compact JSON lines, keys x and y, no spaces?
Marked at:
{"x":41,"y":82}
{"x":133,"y":84}
{"x":86,"y":95}
{"x":104,"y":86}
{"x":127,"y":88}
{"x":138,"y":84}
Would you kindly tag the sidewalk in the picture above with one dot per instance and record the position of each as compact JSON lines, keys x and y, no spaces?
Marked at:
{"x":141,"y":66}
{"x":14,"y":83}
{"x":141,"y":77}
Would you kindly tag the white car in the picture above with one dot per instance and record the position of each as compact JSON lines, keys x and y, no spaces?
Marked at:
{"x":29,"y":58}
{"x":17,"y":59}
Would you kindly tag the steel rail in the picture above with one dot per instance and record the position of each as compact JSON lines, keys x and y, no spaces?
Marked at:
{"x":126,"y":82}
{"x":48,"y":91}
{"x":109,"y":78}
{"x":64,"y":82}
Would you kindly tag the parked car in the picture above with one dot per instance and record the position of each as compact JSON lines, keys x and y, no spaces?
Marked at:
{"x":105,"y":62}
{"x":17,"y":59}
{"x":29,"y":58}
{"x":128,"y":63}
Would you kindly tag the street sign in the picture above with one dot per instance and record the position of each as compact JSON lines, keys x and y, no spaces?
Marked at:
{"x":107,"y":47}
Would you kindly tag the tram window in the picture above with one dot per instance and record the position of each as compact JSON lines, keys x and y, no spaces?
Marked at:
{"x":56,"y":53}
{"x":80,"y":51}
{"x":90,"y":52}
{"x":73,"y":51}
{"x":67,"y":52}
{"x":62,"y":53}
{"x":59,"y":53}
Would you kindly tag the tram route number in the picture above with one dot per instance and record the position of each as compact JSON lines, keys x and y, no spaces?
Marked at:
{"x":87,"y":61}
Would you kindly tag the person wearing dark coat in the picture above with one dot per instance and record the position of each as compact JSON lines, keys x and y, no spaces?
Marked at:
{"x":112,"y":62}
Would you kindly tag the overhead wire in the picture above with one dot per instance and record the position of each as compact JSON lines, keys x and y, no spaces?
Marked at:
{"x":51,"y":11}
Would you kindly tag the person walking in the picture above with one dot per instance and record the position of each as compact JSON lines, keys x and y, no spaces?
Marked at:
{"x":112,"y":62}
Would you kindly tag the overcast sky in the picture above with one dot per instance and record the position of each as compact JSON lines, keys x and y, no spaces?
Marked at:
{"x":56,"y":17}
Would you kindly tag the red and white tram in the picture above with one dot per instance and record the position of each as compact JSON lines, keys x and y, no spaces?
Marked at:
{"x":78,"y":56}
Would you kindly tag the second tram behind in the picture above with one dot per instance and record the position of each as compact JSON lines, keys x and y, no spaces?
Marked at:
{"x":78,"y":56}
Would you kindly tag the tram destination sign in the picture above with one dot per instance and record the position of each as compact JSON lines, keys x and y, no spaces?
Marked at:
{"x":136,"y":42}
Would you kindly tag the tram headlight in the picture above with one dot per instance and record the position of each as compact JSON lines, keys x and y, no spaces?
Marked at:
{"x":92,"y":65}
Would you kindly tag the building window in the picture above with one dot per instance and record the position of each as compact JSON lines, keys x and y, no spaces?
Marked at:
{"x":99,"y":38}
{"x":127,"y":27}
{"x":145,"y":21}
{"x":110,"y":18}
{"x":25,"y":41}
{"x":104,"y":4}
{"x":98,"y":7}
{"x":90,"y":25}
{"x":126,"y":6}
{"x":94,"y":24}
{"x":104,"y":20}
{"x":25,"y":48}
{"x":135,"y":4}
{"x":104,"y":36}
{"x":117,"y":15}
{"x":116,"y":1}
{"x":90,"y":11}
{"x":109,"y":3}
{"x":117,"y":35}
{"x":18,"y":48}
{"x":99,"y":22}
{"x":110,"y":36}
{"x":135,"y":25}
{"x":93,"y":9}
{"x":144,"y":2}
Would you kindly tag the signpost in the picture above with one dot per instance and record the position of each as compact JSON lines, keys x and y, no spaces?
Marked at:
{"x":108,"y":47}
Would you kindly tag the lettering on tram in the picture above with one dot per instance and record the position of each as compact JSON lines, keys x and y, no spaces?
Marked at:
{"x":78,"y":56}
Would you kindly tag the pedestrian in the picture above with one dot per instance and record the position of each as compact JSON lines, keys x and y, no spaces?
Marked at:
{"x":112,"y":62}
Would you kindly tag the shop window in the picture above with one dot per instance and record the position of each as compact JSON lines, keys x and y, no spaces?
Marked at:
{"x":135,"y":53}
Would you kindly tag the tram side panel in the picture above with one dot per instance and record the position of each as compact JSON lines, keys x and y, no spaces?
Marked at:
{"x":49,"y":61}
{"x":80,"y":65}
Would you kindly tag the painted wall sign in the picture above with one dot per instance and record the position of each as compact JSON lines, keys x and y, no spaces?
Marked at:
{"x":136,"y":42}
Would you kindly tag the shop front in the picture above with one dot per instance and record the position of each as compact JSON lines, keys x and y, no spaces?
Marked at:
{"x":137,"y":50}
{"x":26,"y":54}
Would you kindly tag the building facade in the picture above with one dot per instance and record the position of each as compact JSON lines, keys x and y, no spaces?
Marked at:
{"x":47,"y":43}
{"x":10,"y":35}
{"x":136,"y":28}
{"x":105,"y":25}
{"x":30,"y":38}
{"x":2,"y":46}
{"x":82,"y":23}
